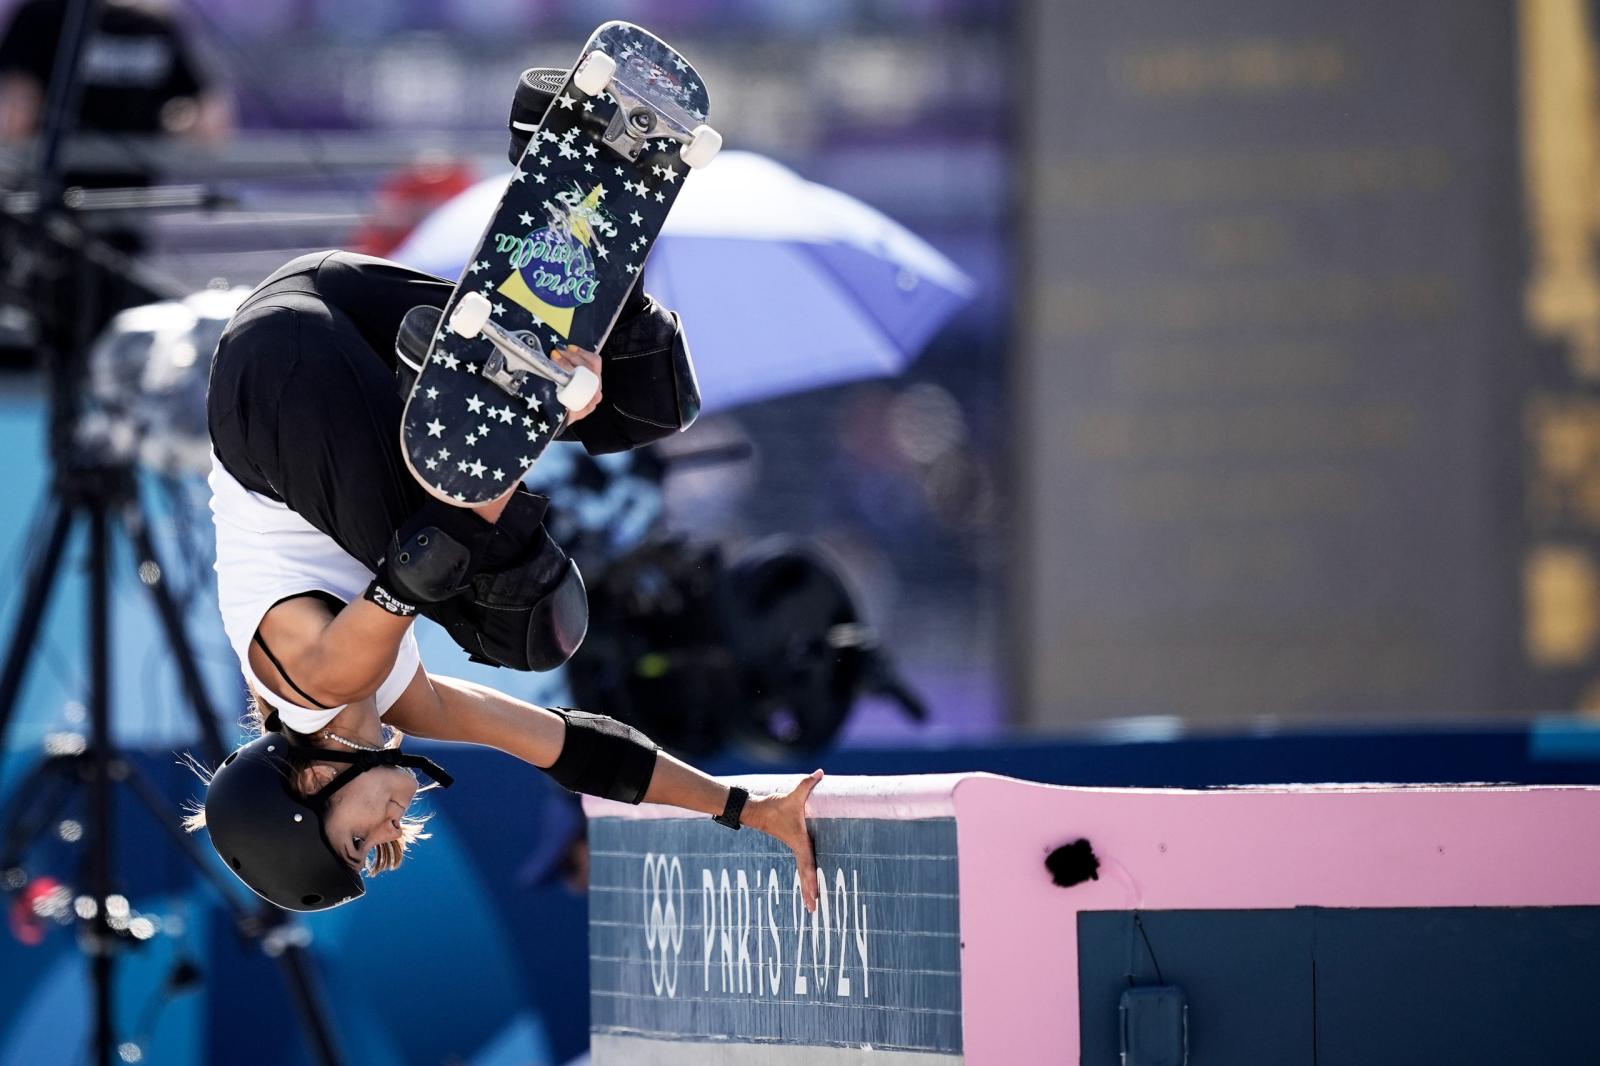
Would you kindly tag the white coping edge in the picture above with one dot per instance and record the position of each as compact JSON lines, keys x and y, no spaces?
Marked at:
{"x":615,"y":1049}
{"x":906,"y":796}
{"x":899,"y":797}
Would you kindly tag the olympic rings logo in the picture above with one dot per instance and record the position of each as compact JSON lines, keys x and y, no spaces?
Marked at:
{"x":663,"y":920}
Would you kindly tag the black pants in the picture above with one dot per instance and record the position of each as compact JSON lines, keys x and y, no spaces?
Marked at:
{"x":303,"y":406}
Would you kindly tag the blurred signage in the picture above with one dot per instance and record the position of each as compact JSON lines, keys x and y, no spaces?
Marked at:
{"x":1560,"y":116}
{"x":1269,"y":362}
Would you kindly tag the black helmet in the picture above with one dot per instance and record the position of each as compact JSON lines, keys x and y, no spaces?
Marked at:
{"x":271,"y":837}
{"x":535,"y":90}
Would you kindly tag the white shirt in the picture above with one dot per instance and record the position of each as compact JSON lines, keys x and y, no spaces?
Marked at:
{"x":267,"y":553}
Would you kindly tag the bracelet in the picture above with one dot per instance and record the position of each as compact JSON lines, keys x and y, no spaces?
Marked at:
{"x":730,"y":814}
{"x":381,"y":596}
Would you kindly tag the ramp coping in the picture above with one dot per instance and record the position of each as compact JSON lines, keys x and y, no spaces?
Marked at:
{"x":933,"y":795}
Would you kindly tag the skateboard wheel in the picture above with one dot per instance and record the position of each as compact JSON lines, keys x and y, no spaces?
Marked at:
{"x":471,"y":315}
{"x":578,"y":392}
{"x":702,"y":146}
{"x":594,"y":73}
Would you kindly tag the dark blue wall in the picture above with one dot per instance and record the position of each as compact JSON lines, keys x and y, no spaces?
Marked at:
{"x":1477,"y":986}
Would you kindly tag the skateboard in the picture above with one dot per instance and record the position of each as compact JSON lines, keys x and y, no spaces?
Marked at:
{"x":554,"y":266}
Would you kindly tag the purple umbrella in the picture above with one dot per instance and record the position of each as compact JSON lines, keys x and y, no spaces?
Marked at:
{"x":784,"y":285}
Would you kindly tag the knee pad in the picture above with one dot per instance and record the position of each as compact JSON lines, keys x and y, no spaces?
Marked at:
{"x":531,"y":616}
{"x":650,"y":386}
{"x":557,"y":623}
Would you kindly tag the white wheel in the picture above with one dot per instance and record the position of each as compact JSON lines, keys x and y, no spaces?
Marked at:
{"x":471,"y":315}
{"x":702,"y":147}
{"x":594,"y":73}
{"x":576,"y":394}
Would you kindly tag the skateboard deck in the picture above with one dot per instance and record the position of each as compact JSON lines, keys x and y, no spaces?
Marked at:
{"x":555,"y":264}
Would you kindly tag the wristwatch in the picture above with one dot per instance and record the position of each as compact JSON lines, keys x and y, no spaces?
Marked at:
{"x":730,"y":813}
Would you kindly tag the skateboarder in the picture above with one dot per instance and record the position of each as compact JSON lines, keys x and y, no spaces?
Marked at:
{"x":327,"y":548}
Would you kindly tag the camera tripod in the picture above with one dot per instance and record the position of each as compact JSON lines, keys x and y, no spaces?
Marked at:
{"x":94,"y":486}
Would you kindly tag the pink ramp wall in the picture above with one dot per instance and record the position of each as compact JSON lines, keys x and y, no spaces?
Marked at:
{"x":1328,"y":846}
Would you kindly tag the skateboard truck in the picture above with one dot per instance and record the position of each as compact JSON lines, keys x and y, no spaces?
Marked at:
{"x":516,"y":356}
{"x":638,"y":119}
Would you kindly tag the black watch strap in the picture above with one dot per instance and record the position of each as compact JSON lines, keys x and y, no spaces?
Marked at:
{"x":381,"y":596}
{"x":735,"y":807}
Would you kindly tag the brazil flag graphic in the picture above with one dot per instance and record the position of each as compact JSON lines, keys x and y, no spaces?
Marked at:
{"x":553,"y":269}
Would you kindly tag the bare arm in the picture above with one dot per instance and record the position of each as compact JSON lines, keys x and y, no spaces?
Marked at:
{"x":339,"y":658}
{"x":334,"y":658}
{"x":444,"y":708}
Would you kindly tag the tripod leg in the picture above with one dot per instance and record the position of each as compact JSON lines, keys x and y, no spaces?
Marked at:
{"x":297,"y":972}
{"x":154,"y":578}
{"x":102,"y":946}
{"x":292,"y":959}
{"x":31,"y":614}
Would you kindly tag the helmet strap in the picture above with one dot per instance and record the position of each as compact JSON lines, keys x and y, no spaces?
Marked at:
{"x":359,"y":763}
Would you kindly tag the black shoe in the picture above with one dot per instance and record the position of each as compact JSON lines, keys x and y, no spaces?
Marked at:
{"x":411,"y":345}
{"x":537,"y":87}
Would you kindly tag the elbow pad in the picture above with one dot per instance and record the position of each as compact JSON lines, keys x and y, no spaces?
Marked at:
{"x":435,"y":552}
{"x":603,"y":757}
{"x":428,"y":566}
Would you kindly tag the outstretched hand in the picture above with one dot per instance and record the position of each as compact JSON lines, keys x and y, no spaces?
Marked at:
{"x":782,"y":816}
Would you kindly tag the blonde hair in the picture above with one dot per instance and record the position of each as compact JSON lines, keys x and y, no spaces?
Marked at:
{"x":386,"y":856}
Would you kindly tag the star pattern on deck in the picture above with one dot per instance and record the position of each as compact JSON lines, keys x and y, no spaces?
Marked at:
{"x":470,"y":435}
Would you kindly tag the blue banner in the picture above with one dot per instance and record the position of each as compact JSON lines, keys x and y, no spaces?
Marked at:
{"x":699,"y":933}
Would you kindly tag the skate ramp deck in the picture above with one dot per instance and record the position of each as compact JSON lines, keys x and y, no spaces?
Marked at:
{"x":1355,"y":923}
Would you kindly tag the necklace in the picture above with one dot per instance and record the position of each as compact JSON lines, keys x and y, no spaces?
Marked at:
{"x":336,"y":738}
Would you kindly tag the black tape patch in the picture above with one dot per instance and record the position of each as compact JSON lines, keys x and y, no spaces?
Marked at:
{"x":1073,"y":864}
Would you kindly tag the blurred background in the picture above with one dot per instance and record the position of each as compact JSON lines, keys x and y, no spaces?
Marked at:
{"x":1262,"y":443}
